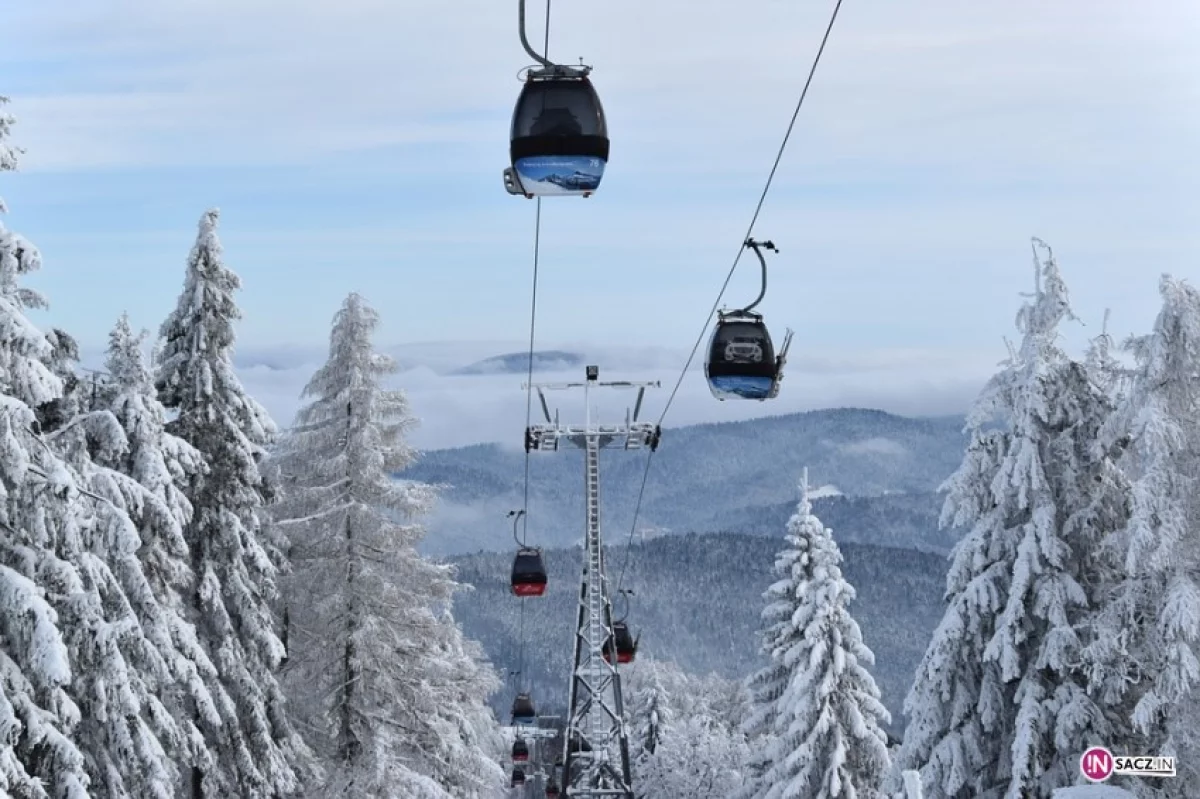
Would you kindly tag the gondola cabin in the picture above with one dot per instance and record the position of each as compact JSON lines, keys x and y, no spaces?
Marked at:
{"x":529,"y":573}
{"x":520,"y":751}
{"x":551,"y":789}
{"x":559,"y":140}
{"x":518,"y":778}
{"x":741,"y":361}
{"x":625,"y":645}
{"x":523,"y":711}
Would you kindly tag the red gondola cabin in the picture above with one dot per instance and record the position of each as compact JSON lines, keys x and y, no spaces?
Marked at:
{"x":529,"y":573}
{"x":626,"y":646}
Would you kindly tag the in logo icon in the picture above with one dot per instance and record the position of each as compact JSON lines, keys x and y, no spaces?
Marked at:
{"x":1097,"y":764}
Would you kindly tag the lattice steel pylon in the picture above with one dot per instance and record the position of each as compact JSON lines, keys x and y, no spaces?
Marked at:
{"x":596,"y":742}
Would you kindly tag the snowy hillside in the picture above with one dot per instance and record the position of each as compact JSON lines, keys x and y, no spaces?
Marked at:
{"x":697,"y":602}
{"x":908,"y":520}
{"x":708,"y":477}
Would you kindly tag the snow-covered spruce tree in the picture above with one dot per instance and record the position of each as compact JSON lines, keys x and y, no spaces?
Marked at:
{"x":1001,"y":705}
{"x":701,"y":758}
{"x":650,"y":714}
{"x":260,"y":755}
{"x":114,"y":627}
{"x":376,"y":664}
{"x":685,"y":738}
{"x":37,"y":537}
{"x":153,"y":470}
{"x":816,"y":695}
{"x":1154,"y":618}
{"x":1103,"y":367}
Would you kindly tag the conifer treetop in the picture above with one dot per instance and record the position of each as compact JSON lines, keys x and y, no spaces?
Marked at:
{"x":125,"y":361}
{"x":9,"y":154}
{"x":196,"y":369}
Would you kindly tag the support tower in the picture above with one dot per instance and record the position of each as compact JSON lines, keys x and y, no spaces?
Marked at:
{"x":595,"y":743}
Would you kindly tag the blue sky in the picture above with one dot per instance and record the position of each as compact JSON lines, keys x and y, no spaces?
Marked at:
{"x":357,"y":146}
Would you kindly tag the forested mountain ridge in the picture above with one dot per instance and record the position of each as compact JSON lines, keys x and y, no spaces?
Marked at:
{"x":698,"y":599}
{"x":710,"y":477}
{"x":907,"y":521}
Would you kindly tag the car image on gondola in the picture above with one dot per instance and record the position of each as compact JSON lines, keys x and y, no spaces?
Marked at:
{"x":743,"y":350}
{"x":578,"y":181}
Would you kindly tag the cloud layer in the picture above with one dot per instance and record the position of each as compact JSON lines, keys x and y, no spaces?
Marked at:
{"x":457,"y":410}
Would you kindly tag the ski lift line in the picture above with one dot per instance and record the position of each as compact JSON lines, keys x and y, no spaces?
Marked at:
{"x":537,"y":246}
{"x":728,"y":277}
{"x":523,"y":516}
{"x":521,"y":651}
{"x":757,"y":210}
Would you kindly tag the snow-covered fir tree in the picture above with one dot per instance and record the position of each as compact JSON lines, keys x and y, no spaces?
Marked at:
{"x":260,"y":755}
{"x":816,"y":696}
{"x":38,"y":757}
{"x":114,"y":625}
{"x":1152,"y":662}
{"x":159,"y":466}
{"x":699,"y":759}
{"x":685,"y":737}
{"x":124,"y":732}
{"x":650,"y":714}
{"x":124,"y":736}
{"x":377,"y":667}
{"x":1001,"y":703}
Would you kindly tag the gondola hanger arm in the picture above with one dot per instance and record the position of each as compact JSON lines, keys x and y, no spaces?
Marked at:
{"x":625,"y":594}
{"x":758,"y":247}
{"x":525,"y":39}
{"x":516,"y":517}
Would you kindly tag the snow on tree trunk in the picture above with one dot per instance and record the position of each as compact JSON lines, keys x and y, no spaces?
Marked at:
{"x":257,"y":753}
{"x":1001,"y":703}
{"x":376,"y":663}
{"x":816,"y":696}
{"x":1153,"y":663}
{"x":912,"y":785}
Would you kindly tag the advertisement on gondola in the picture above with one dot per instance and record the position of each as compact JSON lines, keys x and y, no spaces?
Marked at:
{"x":549,"y":175}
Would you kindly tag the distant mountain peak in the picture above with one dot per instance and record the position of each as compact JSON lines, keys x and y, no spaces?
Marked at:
{"x":517,"y":362}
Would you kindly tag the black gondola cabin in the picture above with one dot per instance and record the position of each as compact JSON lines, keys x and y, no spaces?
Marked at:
{"x":559,"y":139}
{"x":523,"y":711}
{"x":741,"y":361}
{"x":518,"y":777}
{"x":626,"y":646}
{"x":529,"y":573}
{"x":551,"y":789}
{"x":520,"y":751}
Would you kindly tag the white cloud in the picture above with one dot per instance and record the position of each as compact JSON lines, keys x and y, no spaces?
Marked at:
{"x":976,"y":87}
{"x":874,"y":446}
{"x":456,"y":410}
